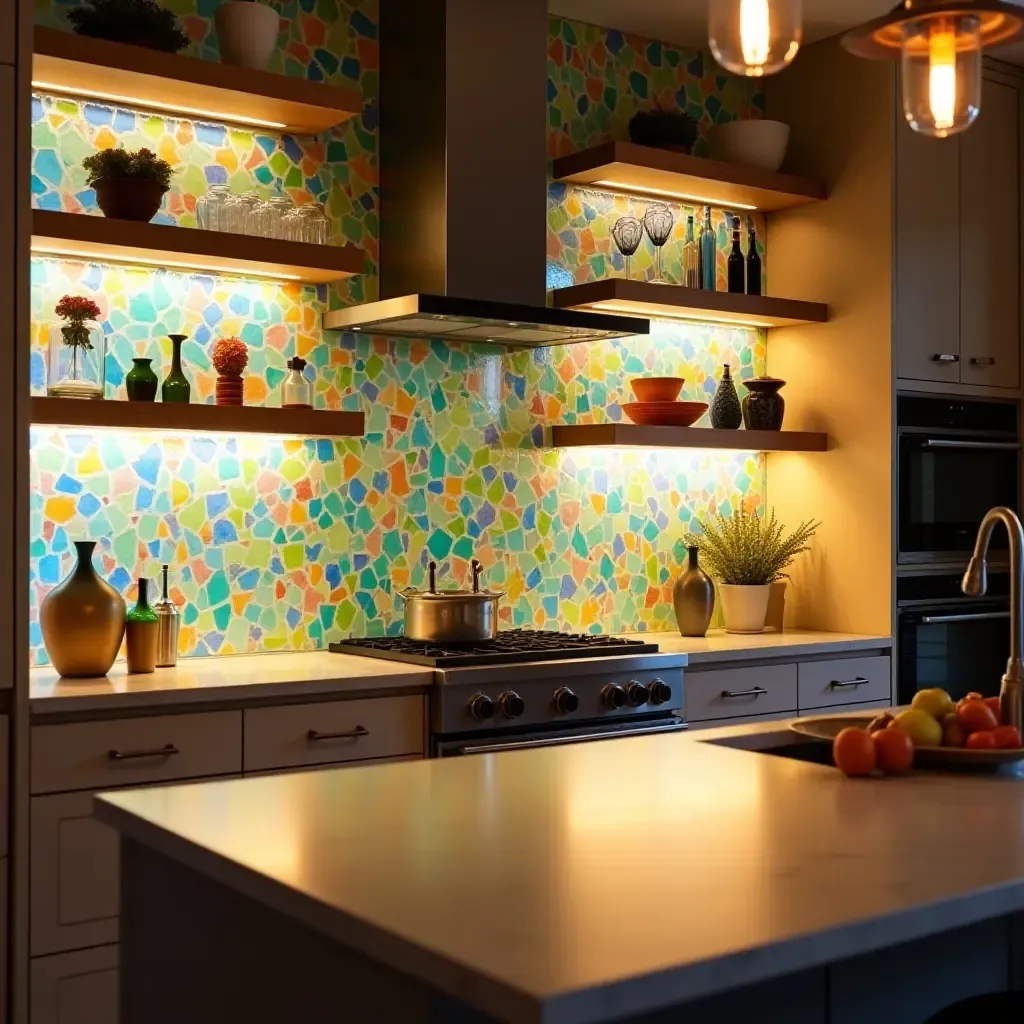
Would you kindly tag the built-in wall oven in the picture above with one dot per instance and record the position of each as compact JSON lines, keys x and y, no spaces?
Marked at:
{"x":948,"y":639}
{"x":956,"y":459}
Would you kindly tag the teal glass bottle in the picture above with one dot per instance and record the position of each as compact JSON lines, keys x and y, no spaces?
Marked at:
{"x":176,"y":387}
{"x":708,"y":249}
{"x":141,"y":382}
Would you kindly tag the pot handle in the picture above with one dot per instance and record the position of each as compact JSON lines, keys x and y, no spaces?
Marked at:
{"x":432,"y":575}
{"x":477,"y":569}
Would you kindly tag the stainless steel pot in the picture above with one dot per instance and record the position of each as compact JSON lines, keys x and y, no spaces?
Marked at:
{"x":451,"y":616}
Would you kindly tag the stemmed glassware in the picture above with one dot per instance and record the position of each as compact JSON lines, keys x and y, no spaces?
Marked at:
{"x":658,"y":223}
{"x":627,"y":233}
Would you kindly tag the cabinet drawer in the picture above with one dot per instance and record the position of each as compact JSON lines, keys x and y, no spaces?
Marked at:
{"x":866,"y":707}
{"x":333,"y":732}
{"x":131,"y":751}
{"x":75,"y":988}
{"x":824,"y":684}
{"x":718,"y":723}
{"x":737,"y":692}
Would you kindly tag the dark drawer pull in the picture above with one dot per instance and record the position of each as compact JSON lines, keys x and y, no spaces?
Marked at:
{"x":133,"y":755}
{"x":945,"y":357}
{"x":982,"y":361}
{"x":842,"y":684}
{"x":754,"y":691}
{"x":354,"y":734}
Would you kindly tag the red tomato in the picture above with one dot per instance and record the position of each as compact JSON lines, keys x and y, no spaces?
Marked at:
{"x":993,"y":704}
{"x":973,"y":695}
{"x":983,"y":740}
{"x":853,"y":751}
{"x":1007,"y":737}
{"x":975,"y":716}
{"x":894,"y":750}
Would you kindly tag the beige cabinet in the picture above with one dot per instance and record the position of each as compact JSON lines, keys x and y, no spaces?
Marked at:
{"x":830,"y":684}
{"x":75,"y":988}
{"x":739,"y":692}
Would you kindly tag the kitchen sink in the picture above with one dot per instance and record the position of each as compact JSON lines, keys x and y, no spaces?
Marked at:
{"x":778,"y":744}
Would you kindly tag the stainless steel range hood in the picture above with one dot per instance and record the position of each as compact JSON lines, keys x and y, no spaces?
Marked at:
{"x":463,"y":180}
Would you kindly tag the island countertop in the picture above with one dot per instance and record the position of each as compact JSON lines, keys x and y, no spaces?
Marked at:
{"x":586,"y":882}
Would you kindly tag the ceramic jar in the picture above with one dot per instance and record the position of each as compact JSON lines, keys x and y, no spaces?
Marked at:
{"x":141,"y":382}
{"x":82,"y":620}
{"x":247,"y":32}
{"x":763,"y":406}
{"x":693,"y":598}
{"x":725,"y":412}
{"x":744,"y":608}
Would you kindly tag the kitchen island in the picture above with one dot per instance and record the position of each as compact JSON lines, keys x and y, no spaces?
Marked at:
{"x":591,"y":882}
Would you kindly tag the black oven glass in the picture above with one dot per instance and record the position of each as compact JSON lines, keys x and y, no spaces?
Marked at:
{"x":957,"y":459}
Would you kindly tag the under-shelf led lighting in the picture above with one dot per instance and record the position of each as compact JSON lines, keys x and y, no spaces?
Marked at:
{"x":134,"y":261}
{"x":622,"y":186}
{"x":171,"y":108}
{"x":615,"y":307}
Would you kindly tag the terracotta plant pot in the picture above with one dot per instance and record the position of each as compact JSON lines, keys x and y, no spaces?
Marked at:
{"x":229,"y":390}
{"x":656,"y":389}
{"x":129,"y":198}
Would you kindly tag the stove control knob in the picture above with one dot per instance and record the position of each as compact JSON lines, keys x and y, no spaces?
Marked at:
{"x":511,"y":704}
{"x":661,"y":692}
{"x":637,"y":693}
{"x":481,"y":707}
{"x":566,"y":701}
{"x":614,"y":697}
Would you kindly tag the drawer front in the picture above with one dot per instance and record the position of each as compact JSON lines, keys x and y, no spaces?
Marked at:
{"x":75,"y":988}
{"x":131,"y":751}
{"x":333,"y":732}
{"x":824,"y":684}
{"x":838,"y":709}
{"x":717,"y":723}
{"x":739,"y":692}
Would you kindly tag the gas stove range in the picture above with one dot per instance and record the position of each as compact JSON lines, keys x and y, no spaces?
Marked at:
{"x":536,"y":688}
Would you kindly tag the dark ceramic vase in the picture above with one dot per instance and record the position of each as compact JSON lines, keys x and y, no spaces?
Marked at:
{"x":129,"y":198}
{"x":764,"y":407}
{"x":693,"y":598}
{"x":141,"y":382}
{"x":176,"y":387}
{"x":725,"y":412}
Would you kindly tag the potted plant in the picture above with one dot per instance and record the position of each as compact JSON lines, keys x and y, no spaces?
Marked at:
{"x":230,"y":358}
{"x":138,"y":22}
{"x":76,"y":350}
{"x":663,"y":129}
{"x":129,"y":186}
{"x":747,"y":554}
{"x":247,"y":32}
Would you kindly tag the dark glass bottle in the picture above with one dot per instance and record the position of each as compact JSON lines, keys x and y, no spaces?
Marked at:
{"x":736,"y":271}
{"x":753,"y":261}
{"x":176,"y":387}
{"x":141,"y":628}
{"x":707,"y":253}
{"x":141,"y":382}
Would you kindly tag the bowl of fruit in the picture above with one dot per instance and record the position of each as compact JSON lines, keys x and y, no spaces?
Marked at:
{"x":935,"y":732}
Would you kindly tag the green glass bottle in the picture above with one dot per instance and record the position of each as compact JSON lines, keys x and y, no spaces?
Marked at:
{"x":176,"y":387}
{"x":142,"y":626}
{"x":141,"y":382}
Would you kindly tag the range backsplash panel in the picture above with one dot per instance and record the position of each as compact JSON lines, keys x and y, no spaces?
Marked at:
{"x":285,"y":544}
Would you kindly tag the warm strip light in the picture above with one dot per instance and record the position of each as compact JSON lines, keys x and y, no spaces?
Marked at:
{"x":91,"y":257}
{"x":623,"y":186}
{"x":614,"y":307}
{"x":174,"y":432}
{"x":173,"y":108}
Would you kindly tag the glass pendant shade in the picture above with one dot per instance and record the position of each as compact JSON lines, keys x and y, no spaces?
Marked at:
{"x":755,"y":37}
{"x":941,"y":74}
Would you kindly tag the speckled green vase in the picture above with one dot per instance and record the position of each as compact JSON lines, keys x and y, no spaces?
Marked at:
{"x":176,"y":387}
{"x":726,"y":412}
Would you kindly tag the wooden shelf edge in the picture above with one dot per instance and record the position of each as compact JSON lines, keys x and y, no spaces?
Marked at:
{"x":195,"y":418}
{"x":577,"y":435}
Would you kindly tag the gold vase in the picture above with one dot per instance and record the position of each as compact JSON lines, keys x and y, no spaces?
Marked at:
{"x":82,"y":620}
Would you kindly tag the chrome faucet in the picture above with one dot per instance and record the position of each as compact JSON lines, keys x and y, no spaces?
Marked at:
{"x":975,"y":582}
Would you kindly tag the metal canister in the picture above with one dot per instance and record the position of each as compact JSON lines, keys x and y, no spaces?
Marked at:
{"x":167,"y":626}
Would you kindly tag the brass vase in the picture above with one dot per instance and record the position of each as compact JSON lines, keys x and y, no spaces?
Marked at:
{"x":82,"y":620}
{"x":693,"y":598}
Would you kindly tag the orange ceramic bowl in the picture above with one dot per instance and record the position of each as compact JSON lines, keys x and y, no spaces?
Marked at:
{"x":656,"y":389}
{"x":664,"y":414}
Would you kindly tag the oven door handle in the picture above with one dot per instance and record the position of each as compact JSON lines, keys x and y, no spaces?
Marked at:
{"x":554,"y":741}
{"x":993,"y":446}
{"x":935,"y":620}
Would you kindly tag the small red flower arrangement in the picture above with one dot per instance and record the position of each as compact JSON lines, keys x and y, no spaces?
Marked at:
{"x":230,"y":358}
{"x":76,"y":309}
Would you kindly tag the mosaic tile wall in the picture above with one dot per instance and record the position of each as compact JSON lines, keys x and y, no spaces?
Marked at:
{"x":285,"y":544}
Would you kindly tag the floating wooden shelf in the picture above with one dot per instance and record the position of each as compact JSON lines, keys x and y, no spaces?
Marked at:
{"x":80,"y":236}
{"x":673,"y":302}
{"x":78,"y":66}
{"x":625,"y":167}
{"x":632,"y":435}
{"x":196,"y":418}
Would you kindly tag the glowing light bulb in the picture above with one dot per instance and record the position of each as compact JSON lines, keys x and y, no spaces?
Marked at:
{"x":754,"y":37}
{"x":755,"y":32}
{"x":942,"y":75}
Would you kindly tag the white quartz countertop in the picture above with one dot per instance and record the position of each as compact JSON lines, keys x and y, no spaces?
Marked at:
{"x":229,"y":677}
{"x":587,"y":882}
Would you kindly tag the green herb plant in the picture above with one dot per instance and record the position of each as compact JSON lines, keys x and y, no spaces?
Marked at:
{"x":119,"y":164}
{"x":138,"y":22}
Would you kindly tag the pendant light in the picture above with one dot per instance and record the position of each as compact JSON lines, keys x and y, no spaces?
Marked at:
{"x":754,"y":37}
{"x":939,"y":45}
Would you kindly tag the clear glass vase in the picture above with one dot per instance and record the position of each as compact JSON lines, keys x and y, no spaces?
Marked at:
{"x":75,"y":357}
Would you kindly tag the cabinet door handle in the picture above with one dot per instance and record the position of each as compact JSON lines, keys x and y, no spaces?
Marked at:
{"x":842,"y":684}
{"x":945,"y":357}
{"x":982,"y":361}
{"x":132,"y":755}
{"x":353,"y":734}
{"x":754,"y":691}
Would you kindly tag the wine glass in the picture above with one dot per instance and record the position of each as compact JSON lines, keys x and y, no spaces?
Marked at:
{"x":658,"y":222}
{"x":627,"y":233}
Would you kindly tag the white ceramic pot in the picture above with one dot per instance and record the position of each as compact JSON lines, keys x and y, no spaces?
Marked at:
{"x":247,"y":32}
{"x":744,"y":608}
{"x":756,"y":143}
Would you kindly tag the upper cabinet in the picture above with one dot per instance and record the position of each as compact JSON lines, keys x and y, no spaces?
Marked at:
{"x":958,"y":240}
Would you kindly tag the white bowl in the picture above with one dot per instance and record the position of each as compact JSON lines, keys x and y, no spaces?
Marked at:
{"x":754,"y":143}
